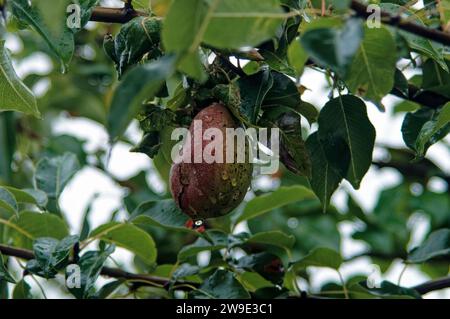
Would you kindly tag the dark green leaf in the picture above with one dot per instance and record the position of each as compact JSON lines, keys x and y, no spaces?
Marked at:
{"x":53,"y":174}
{"x":161,"y":213}
{"x":372,"y":72}
{"x":320,"y":257}
{"x":435,"y":78}
{"x":219,"y":241}
{"x":345,"y":119}
{"x":22,"y":290}
{"x":141,"y":83}
{"x":324,"y":178}
{"x":253,"y":90}
{"x":293,"y":153}
{"x":390,"y":290}
{"x":51,"y":255}
{"x":222,"y":285}
{"x":332,"y":47}
{"x":268,"y":265}
{"x":109,"y":289}
{"x":128,"y":236}
{"x":91,"y":264}
{"x":436,"y":245}
{"x":136,"y":38}
{"x":282,"y":92}
{"x":275,"y":238}
{"x":149,"y":145}
{"x":8,"y":201}
{"x":15,"y":95}
{"x":425,"y":127}
{"x":4,"y":273}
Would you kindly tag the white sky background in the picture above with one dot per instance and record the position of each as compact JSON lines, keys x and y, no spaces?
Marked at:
{"x":125,"y":164}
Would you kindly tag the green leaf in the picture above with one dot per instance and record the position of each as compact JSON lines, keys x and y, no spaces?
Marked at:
{"x":416,"y":42}
{"x":279,"y":198}
{"x":390,"y":290}
{"x":4,"y":273}
{"x":434,"y":130}
{"x":253,"y":90}
{"x":128,"y":236}
{"x":135,"y":39}
{"x":161,"y":213}
{"x":50,"y":255}
{"x":22,"y":290}
{"x":184,"y":271}
{"x":230,"y":24}
{"x":320,"y":257}
{"x":297,"y":57}
{"x":86,"y":225}
{"x":28,"y":196}
{"x":61,"y":144}
{"x":332,"y":47}
{"x":53,"y":174}
{"x":8,"y":144}
{"x":253,"y":281}
{"x":435,"y":78}
{"x":49,"y":19}
{"x":8,"y":201}
{"x":222,"y":285}
{"x":372,"y":72}
{"x":142,"y":192}
{"x":109,"y":288}
{"x":266,"y":264}
{"x":345,"y":119}
{"x":31,"y":225}
{"x":293,"y":153}
{"x":218,"y":240}
{"x":139,"y":84}
{"x":406,"y":106}
{"x":15,"y":95}
{"x":282,"y":92}
{"x":91,"y":264}
{"x":274,"y":238}
{"x":419,"y":128}
{"x":324,"y":178}
{"x":401,"y":84}
{"x":436,"y":245}
{"x":149,"y":145}
{"x":287,"y":119}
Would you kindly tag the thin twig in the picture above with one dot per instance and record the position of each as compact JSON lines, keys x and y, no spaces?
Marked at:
{"x":411,"y":27}
{"x":144,"y":279}
{"x":115,"y":15}
{"x":433,"y":285}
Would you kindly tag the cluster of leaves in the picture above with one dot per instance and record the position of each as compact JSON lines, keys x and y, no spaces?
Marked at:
{"x":169,"y":65}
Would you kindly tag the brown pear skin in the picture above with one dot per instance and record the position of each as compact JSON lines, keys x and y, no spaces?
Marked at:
{"x":209,"y":190}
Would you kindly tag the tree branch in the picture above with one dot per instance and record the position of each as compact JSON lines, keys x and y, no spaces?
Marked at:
{"x":426,"y":98}
{"x":115,"y":15}
{"x":145,"y":280}
{"x":424,"y":288}
{"x":433,"y":285}
{"x":415,"y":94}
{"x":397,"y":21}
{"x":418,"y":171}
{"x":123,"y":15}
